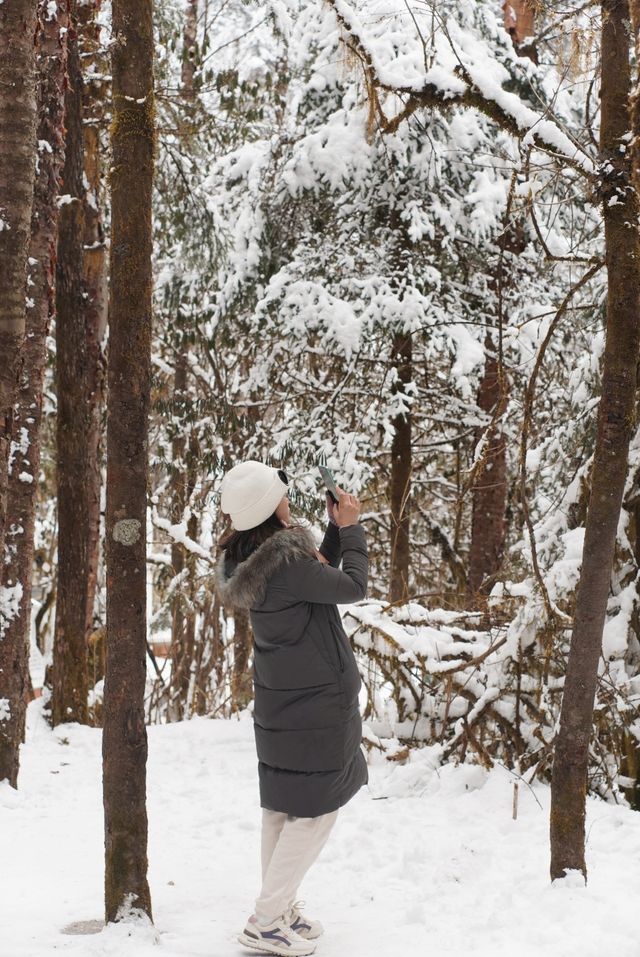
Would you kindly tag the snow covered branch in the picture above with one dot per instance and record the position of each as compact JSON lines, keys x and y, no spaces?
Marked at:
{"x":178,"y":533}
{"x":473,"y":686}
{"x":467,"y":84}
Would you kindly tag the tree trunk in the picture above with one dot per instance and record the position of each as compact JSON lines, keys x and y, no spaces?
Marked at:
{"x":23,"y":480}
{"x":490,"y":491}
{"x":18,"y":119}
{"x":488,"y":523}
{"x":124,"y":742}
{"x":400,"y":483}
{"x":182,"y":619}
{"x":209,"y":655}
{"x":69,"y":672}
{"x":519,"y":22}
{"x":94,"y":277}
{"x":242,"y":679}
{"x":188,"y":50}
{"x":183,"y":649}
{"x":615,"y":426}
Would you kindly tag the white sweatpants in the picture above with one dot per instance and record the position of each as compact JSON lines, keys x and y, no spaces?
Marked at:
{"x":289,"y":846}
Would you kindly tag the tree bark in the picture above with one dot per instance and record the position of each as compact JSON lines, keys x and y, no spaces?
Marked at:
{"x":183,"y":638}
{"x":69,"y":672}
{"x":401,"y":451}
{"x":490,"y":490}
{"x":81,"y":324}
{"x":209,"y":655}
{"x":124,"y":746}
{"x":182,"y":619}
{"x":615,"y":426}
{"x":189,"y":35}
{"x":179,"y":675}
{"x":18,"y":120}
{"x":488,"y":522}
{"x":519,"y":22}
{"x":23,"y":480}
{"x":400,"y":480}
{"x":94,"y":277}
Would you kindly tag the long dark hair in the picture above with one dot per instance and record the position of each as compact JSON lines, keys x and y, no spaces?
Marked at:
{"x":237,"y":546}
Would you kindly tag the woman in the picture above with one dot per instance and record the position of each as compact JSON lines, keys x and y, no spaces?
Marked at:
{"x":306,"y":716}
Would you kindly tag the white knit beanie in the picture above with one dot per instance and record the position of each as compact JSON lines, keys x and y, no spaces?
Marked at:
{"x":251,"y":492}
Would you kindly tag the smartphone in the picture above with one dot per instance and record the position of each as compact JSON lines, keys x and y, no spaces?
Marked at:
{"x":329,"y":483}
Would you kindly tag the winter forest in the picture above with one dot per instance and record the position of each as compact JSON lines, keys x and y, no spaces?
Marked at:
{"x":398,"y":239}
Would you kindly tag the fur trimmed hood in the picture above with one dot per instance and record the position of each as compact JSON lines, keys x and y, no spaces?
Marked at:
{"x":247,"y":585}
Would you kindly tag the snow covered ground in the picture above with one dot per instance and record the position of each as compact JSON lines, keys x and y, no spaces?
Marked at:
{"x":422,"y":862}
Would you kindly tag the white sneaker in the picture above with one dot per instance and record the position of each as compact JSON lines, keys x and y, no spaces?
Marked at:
{"x":274,"y":938}
{"x":303,"y":926}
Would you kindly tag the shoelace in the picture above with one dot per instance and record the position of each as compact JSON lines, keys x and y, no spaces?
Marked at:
{"x":297,"y":906}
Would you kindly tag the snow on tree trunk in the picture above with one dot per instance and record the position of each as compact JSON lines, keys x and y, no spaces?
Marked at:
{"x":615,"y":426}
{"x":95,"y":275}
{"x":23,"y":480}
{"x":18,"y":119}
{"x":400,"y":481}
{"x":401,"y":452}
{"x":69,"y":672}
{"x":183,"y":644}
{"x":182,"y":616}
{"x":124,"y":736}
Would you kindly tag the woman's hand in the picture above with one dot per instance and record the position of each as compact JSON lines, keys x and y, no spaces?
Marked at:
{"x":347,"y":511}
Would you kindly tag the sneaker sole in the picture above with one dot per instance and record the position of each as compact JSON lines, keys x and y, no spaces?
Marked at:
{"x":274,"y":948}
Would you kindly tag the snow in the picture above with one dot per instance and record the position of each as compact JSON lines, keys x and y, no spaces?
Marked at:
{"x":469,"y":354}
{"x":10,"y":597}
{"x":396,"y":54}
{"x":178,"y":533}
{"x":615,"y":636}
{"x":423,"y":860}
{"x":564,"y":575}
{"x":21,"y":446}
{"x":308,"y":300}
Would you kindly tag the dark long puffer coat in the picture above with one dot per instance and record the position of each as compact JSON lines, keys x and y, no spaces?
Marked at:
{"x":306,"y":716}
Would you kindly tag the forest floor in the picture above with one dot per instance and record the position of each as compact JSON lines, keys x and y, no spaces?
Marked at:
{"x":421,"y":862}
